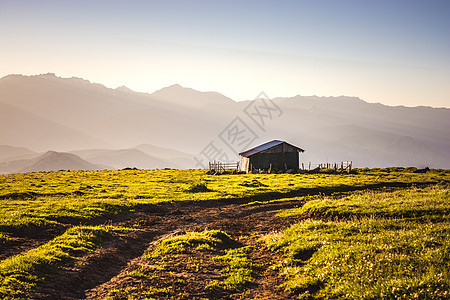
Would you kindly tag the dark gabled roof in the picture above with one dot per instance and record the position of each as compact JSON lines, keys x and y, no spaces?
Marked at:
{"x":266,"y":146}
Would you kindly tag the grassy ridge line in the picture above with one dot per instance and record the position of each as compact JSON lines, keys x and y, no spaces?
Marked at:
{"x":20,"y":273}
{"x":430,"y":202}
{"x":169,"y":184}
{"x":360,"y":257}
{"x":68,"y":197}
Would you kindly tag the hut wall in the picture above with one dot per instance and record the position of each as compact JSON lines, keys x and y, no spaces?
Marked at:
{"x":245,"y":164}
{"x":276,"y":160}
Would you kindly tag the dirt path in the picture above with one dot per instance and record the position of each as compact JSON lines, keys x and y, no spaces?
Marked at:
{"x":107,"y":269}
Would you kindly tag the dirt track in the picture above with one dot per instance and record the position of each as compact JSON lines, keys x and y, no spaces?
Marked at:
{"x":106,"y":269}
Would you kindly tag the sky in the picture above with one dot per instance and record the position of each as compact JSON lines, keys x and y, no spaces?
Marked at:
{"x":396,"y":52}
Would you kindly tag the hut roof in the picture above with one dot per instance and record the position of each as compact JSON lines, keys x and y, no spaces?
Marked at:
{"x":266,"y":146}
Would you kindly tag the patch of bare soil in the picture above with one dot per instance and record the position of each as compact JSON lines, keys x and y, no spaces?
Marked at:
{"x":190,"y":276}
{"x":29,"y":239}
{"x":118,"y":269}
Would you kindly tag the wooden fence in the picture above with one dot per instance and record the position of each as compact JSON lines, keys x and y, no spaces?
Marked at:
{"x":342,"y":166}
{"x":222,"y":166}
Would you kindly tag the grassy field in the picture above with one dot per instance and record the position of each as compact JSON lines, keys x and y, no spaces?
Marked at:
{"x":375,"y":233}
{"x":369,"y":245}
{"x":34,"y":200}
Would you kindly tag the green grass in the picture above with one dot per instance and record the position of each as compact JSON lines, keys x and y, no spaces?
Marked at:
{"x":354,"y":251}
{"x":32,"y":201}
{"x":390,"y":245}
{"x":430,"y":202}
{"x":20,"y":273}
{"x":239,"y":268}
{"x":208,"y":240}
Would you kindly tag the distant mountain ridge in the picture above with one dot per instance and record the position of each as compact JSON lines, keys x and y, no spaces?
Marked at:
{"x":49,"y":161}
{"x":189,"y":97}
{"x":151,"y":157}
{"x":45,"y":112}
{"x":20,"y":160}
{"x":8,"y":153}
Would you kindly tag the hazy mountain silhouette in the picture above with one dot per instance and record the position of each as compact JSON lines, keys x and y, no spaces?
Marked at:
{"x":124,"y":158}
{"x":346,"y":128}
{"x":65,"y":114}
{"x":19,"y":159}
{"x":49,"y":161}
{"x":179,"y":159}
{"x":19,"y":127}
{"x":178,"y":95}
{"x":72,"y":113}
{"x":162,"y":152}
{"x":9,"y":153}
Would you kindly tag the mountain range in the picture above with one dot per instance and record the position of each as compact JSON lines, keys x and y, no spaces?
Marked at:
{"x":118,"y":128}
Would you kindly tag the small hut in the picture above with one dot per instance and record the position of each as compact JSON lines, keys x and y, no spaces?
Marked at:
{"x":271,"y":155}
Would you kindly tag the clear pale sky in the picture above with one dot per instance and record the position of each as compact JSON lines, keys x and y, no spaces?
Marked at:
{"x":396,"y":52}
